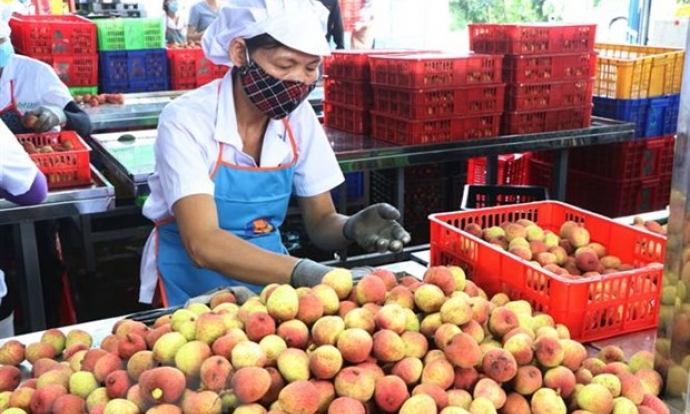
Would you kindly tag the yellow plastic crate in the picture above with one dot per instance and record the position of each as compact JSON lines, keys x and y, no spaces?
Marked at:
{"x":633,"y":72}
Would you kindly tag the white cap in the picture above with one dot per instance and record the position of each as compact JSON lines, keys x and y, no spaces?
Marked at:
{"x":298,"y":24}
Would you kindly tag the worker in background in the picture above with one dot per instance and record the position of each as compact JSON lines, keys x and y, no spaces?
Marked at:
{"x":230,"y":154}
{"x":33,"y":99}
{"x":362,"y":36}
{"x":22,"y":183}
{"x":201,"y":15}
{"x":175,"y":23}
{"x":335,"y":31}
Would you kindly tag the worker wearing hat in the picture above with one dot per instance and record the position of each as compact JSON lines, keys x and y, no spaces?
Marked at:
{"x":230,"y":154}
{"x":30,"y":87}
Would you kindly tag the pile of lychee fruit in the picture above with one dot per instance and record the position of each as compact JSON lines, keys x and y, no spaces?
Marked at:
{"x":569,"y":253}
{"x":386,"y":344}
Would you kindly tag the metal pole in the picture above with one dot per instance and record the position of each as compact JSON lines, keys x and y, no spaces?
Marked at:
{"x":674,"y":313}
{"x":643,"y":32}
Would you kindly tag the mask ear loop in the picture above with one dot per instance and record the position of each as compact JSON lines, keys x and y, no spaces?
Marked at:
{"x":245,"y":68}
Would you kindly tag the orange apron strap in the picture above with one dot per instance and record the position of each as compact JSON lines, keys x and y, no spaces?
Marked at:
{"x":160,"y":299}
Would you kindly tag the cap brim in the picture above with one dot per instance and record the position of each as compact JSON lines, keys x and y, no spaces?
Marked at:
{"x":304,"y":35}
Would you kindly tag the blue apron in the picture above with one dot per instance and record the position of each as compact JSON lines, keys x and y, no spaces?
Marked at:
{"x":11,"y":116}
{"x":252,"y":203}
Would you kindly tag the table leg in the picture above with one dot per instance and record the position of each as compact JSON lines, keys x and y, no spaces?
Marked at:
{"x":492,"y":169}
{"x":31,"y":288}
{"x":560,"y":175}
{"x":87,"y":243}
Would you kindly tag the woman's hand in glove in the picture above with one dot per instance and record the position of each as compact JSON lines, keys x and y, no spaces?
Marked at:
{"x":375,"y":229}
{"x":309,"y":273}
{"x":48,"y":117}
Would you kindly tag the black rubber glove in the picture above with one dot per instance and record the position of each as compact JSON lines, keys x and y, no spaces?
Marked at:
{"x":242,"y":293}
{"x":375,"y":229}
{"x":309,"y":273}
{"x":48,"y":118}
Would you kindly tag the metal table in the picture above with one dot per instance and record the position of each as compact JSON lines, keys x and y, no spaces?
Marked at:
{"x":133,"y":162}
{"x":141,"y":110}
{"x":98,"y":197}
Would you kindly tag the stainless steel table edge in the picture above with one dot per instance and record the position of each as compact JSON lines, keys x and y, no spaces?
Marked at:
{"x":78,"y":201}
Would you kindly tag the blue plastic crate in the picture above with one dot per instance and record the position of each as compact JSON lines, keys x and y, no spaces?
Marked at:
{"x":134,"y":71}
{"x":354,"y":183}
{"x":647,"y":113}
{"x":671,"y":115}
{"x":148,"y":64}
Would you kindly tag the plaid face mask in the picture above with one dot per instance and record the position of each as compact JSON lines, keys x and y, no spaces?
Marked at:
{"x":274,"y":97}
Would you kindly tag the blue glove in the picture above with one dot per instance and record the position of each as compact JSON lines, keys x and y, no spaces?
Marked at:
{"x":48,"y":118}
{"x":375,"y":229}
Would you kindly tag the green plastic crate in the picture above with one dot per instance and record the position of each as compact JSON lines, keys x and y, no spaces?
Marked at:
{"x":130,"y":33}
{"x":83,"y":90}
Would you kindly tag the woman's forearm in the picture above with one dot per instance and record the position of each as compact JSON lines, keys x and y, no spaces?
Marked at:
{"x":36,"y":194}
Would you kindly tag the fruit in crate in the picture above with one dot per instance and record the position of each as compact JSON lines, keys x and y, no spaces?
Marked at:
{"x":566,"y":251}
{"x":435,"y":345}
{"x":650,"y":225}
{"x":100,"y":99}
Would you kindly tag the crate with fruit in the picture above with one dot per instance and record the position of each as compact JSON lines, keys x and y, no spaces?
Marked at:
{"x":62,"y":156}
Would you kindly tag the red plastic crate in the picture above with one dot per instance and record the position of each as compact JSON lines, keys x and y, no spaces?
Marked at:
{"x":62,"y":169}
{"x":53,"y":34}
{"x":531,"y":38}
{"x":435,"y":70}
{"x":74,"y":70}
{"x":549,"y":68}
{"x":513,"y":169}
{"x":546,"y":120}
{"x":403,"y":131}
{"x":525,"y":97}
{"x":353,"y":65}
{"x":344,"y":92}
{"x":439,"y":103}
{"x":616,"y":198}
{"x":189,"y":68}
{"x":631,"y":302}
{"x":346,"y":118}
{"x":643,"y":158}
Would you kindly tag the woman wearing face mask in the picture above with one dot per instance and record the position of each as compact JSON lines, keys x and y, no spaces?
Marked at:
{"x":175,"y":24}
{"x":230,"y":154}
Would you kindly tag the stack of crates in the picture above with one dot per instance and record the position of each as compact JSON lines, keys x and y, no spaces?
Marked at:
{"x":639,"y":84}
{"x":347,"y":91}
{"x":67,"y":43}
{"x":189,"y":68}
{"x":132,"y":55}
{"x":429,"y":98}
{"x":548,"y":70}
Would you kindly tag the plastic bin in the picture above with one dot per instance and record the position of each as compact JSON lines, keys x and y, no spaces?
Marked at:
{"x":74,"y":70}
{"x":521,"y":97}
{"x":62,"y":169}
{"x":631,"y":302}
{"x":347,"y":118}
{"x":630,"y":160}
{"x":480,"y":196}
{"x":512,"y":169}
{"x":610,"y":197}
{"x":671,"y":115}
{"x":403,"y":131}
{"x":546,"y":120}
{"x":130,"y":33}
{"x":633,"y":72}
{"x":53,"y":35}
{"x":83,"y":90}
{"x":353,"y":65}
{"x":531,"y":38}
{"x":134,"y":71}
{"x":439,"y":103}
{"x":189,"y":68}
{"x":343,"y":92}
{"x":435,"y":70}
{"x":549,"y":68}
{"x":648,"y":114}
